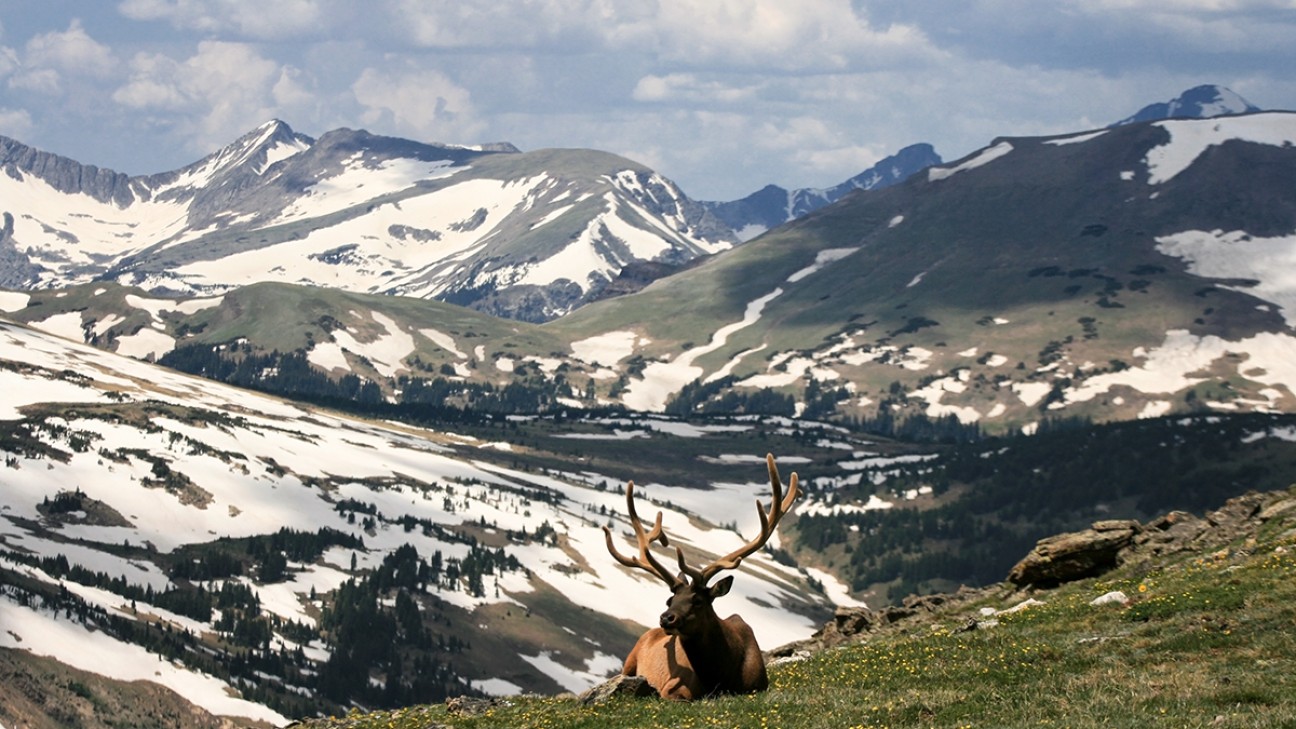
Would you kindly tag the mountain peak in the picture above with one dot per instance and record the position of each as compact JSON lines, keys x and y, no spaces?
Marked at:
{"x":1199,"y":102}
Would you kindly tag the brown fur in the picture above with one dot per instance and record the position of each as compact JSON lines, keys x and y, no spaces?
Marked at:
{"x":694,"y":654}
{"x":664,"y":660}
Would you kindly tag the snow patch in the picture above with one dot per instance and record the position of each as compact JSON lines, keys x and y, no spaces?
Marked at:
{"x":145,"y":344}
{"x":11,"y":301}
{"x":444,"y":341}
{"x":605,"y":349}
{"x":66,"y":325}
{"x":1076,"y":139}
{"x":822,"y":258}
{"x":1238,"y":255}
{"x":1189,"y":138}
{"x":1271,"y":360}
{"x":985,"y":157}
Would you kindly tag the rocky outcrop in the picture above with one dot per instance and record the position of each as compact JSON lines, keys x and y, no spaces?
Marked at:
{"x":1067,"y":557}
{"x":1109,"y":544}
{"x":65,"y":175}
{"x":632,"y":686}
{"x":16,"y":269}
{"x":1231,"y":530}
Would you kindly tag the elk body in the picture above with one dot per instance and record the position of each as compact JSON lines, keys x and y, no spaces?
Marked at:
{"x":694,"y":653}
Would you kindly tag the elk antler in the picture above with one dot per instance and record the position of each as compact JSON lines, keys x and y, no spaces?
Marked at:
{"x":769,"y":519}
{"x":645,"y":560}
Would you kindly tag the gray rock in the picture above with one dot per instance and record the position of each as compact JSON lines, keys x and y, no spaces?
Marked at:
{"x":1074,"y":556}
{"x":633,"y":686}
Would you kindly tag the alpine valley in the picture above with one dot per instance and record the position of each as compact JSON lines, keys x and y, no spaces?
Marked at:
{"x":314,"y":424}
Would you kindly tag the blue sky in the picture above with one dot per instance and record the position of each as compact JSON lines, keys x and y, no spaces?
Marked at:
{"x":723,"y":96}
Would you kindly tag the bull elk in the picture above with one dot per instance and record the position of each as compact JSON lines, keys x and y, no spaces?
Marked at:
{"x":694,"y":653}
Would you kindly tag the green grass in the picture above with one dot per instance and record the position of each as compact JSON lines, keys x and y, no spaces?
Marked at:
{"x":1207,"y":641}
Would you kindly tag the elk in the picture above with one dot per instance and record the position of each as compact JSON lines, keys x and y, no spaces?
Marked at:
{"x":694,"y":654}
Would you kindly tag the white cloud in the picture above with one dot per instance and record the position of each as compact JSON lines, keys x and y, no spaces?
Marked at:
{"x":723,"y":96}
{"x":810,"y":34}
{"x":15,"y":123}
{"x":563,"y":25}
{"x":423,"y":103}
{"x":41,"y":80}
{"x":249,"y":18}
{"x":8,"y":61}
{"x":219,"y":93}
{"x":687,"y":87}
{"x":49,"y":58}
{"x":71,"y":51}
{"x":819,"y":34}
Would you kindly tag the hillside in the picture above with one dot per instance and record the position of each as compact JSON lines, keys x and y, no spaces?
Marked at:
{"x":1192,"y":627}
{"x":1110,"y":275}
{"x":244,"y":551}
{"x":258,"y":544}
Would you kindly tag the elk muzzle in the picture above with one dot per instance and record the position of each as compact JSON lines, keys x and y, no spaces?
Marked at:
{"x":670,"y":621}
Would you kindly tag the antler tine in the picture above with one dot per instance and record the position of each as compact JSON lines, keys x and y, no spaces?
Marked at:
{"x":769,"y":519}
{"x":645,"y":560}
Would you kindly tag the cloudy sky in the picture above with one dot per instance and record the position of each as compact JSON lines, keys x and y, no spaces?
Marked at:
{"x":723,"y":96}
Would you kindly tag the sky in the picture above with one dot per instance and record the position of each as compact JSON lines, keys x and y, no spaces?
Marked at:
{"x":721,"y":96}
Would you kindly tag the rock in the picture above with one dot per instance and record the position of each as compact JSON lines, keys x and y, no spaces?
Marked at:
{"x":1074,"y":556}
{"x":1115,"y":597}
{"x":470,"y":706}
{"x":1023,"y":605}
{"x":1115,"y":525}
{"x":1276,"y":509}
{"x":634,"y":686}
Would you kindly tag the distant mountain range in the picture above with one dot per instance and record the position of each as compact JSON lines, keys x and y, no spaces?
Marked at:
{"x":523,"y":235}
{"x":772,"y":206}
{"x":267,"y":558}
{"x":529,"y":236}
{"x":1108,"y":274}
{"x":1199,"y":102}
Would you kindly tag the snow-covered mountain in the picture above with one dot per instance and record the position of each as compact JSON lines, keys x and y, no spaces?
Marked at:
{"x":772,"y":206}
{"x":1199,"y":102}
{"x":159,"y":527}
{"x":1106,"y":274}
{"x":523,"y":235}
{"x":1110,"y":274}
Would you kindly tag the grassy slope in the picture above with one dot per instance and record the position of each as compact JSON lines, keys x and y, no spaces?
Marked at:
{"x":1206,"y":640}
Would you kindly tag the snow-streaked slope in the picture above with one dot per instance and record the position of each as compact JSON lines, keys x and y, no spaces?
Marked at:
{"x":256,"y":464}
{"x":44,"y":634}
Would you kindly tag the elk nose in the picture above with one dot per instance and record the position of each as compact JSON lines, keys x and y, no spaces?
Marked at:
{"x":668,"y":619}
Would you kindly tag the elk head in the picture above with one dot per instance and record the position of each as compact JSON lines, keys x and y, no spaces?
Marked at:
{"x":717,"y":656}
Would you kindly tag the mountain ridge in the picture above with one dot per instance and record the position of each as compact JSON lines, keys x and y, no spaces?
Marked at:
{"x":529,"y":238}
{"x":772,"y":206}
{"x":1103,"y":274}
{"x":1200,"y":102}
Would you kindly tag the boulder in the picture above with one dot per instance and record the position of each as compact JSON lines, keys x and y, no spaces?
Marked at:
{"x":633,"y":686}
{"x":1074,"y":556}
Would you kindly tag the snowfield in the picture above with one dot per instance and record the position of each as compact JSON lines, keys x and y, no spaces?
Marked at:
{"x":1269,"y":262}
{"x":1189,"y":138}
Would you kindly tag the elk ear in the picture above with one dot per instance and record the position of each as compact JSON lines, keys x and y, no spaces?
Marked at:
{"x":721,"y":588}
